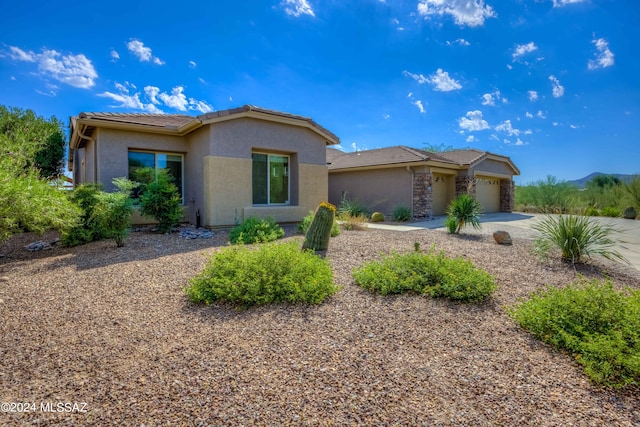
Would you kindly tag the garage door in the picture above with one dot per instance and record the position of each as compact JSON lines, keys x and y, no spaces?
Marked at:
{"x":444,"y":189}
{"x":488,"y":193}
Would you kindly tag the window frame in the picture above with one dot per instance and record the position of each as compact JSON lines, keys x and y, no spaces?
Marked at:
{"x":155,"y":165}
{"x":268,"y":183}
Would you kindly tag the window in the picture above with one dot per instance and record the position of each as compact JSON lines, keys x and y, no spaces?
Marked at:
{"x":171,"y":162}
{"x":270,"y":179}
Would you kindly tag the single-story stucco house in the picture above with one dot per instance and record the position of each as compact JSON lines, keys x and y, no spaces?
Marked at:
{"x":228,"y":165}
{"x":421,"y":180}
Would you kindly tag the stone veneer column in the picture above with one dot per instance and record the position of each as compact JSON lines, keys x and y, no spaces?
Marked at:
{"x":465,"y":184}
{"x":422,"y":195}
{"x":506,"y":195}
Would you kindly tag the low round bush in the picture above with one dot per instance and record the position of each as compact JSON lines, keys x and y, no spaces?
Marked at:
{"x":256,"y":230}
{"x":597,"y":324}
{"x":274,"y":272}
{"x":432,"y":274}
{"x":611,"y":212}
{"x":591,"y":211}
{"x":451,"y":224}
{"x":377,"y":217}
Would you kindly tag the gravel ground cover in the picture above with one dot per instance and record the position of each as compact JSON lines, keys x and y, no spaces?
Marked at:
{"x":111,"y":328}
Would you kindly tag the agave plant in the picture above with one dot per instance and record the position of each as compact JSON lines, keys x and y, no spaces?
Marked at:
{"x":464,"y":210}
{"x":577,"y":237}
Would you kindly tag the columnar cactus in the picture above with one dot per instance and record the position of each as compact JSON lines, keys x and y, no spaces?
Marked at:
{"x":319,"y":232}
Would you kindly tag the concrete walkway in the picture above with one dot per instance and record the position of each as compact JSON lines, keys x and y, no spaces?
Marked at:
{"x":519,"y":225}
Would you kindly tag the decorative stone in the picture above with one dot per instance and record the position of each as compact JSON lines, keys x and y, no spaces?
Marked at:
{"x":190,"y":233}
{"x":502,"y":238}
{"x":38,"y":246}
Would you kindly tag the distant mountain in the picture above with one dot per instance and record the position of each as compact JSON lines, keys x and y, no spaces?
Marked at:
{"x":583,"y":181}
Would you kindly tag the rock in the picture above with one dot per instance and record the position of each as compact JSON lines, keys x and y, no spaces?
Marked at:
{"x":38,"y":246}
{"x":195,"y":233}
{"x":502,"y":238}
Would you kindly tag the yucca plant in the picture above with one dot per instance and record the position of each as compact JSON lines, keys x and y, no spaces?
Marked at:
{"x":577,"y":237}
{"x":465,"y":210}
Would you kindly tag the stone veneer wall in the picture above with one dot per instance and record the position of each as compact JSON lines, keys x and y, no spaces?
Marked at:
{"x":422,"y":195}
{"x":506,"y":195}
{"x":465,"y":184}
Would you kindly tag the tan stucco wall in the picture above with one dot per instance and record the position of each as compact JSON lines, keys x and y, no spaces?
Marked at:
{"x":383,"y":189}
{"x":444,"y":191}
{"x":239,"y":137}
{"x":493,"y":166}
{"x":228,"y":194}
{"x":194,"y":192}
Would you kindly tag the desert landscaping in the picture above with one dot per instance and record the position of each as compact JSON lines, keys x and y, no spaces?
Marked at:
{"x":112,"y":328}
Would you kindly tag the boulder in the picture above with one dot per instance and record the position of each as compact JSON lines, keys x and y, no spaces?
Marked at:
{"x":502,"y":238}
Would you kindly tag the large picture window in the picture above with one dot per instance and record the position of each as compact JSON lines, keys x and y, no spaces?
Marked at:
{"x":171,"y":162}
{"x":270,"y":179}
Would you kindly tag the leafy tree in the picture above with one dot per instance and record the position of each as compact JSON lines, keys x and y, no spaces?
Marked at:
{"x":27,"y":201}
{"x":604,"y":181}
{"x":42,"y":144}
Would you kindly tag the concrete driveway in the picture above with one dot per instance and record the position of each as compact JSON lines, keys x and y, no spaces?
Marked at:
{"x":519,"y":225}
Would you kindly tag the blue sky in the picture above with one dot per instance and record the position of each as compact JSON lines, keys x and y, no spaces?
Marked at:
{"x":554,"y":84}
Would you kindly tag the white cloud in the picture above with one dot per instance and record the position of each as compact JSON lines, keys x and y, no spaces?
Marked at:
{"x":143,"y":52}
{"x":491,"y":98}
{"x":192,"y":64}
{"x":557,"y":89}
{"x":442,"y":82}
{"x":533,"y":95}
{"x":523,"y":49}
{"x":519,"y":142}
{"x":507,"y":128}
{"x":386,"y":116}
{"x":74,"y":70}
{"x":464,"y":12}
{"x":473,"y":121}
{"x":418,"y":104}
{"x":555,"y":123}
{"x":154,"y":98}
{"x":461,"y":42}
{"x":114,"y":55}
{"x":200,"y":106}
{"x":297,"y":8}
{"x":417,"y":77}
{"x":560,"y":3}
{"x":13,"y":77}
{"x":528,"y":132}
{"x":604,"y":56}
{"x":528,"y":115}
{"x":541,"y":115}
{"x":471,"y":138}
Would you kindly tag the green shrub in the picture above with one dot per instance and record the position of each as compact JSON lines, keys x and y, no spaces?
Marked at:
{"x":451,"y":224}
{"x":84,"y":196}
{"x":431,"y":274}
{"x":256,"y":230}
{"x":262,"y":275}
{"x":377,"y":217}
{"x":611,"y":212}
{"x":303,"y":225}
{"x":112,"y":212}
{"x":591,"y":211}
{"x":547,"y":196}
{"x":576,"y":237}
{"x":630,"y":213}
{"x":401,"y":213}
{"x":464,"y":210}
{"x":160,"y":199}
{"x":597,"y":324}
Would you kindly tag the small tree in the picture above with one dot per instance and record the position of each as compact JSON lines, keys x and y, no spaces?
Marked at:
{"x":112,"y":212}
{"x":160,"y":199}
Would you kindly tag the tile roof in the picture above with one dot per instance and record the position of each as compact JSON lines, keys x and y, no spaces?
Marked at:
{"x":156,"y":120}
{"x":464,"y":157}
{"x":381,"y":156}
